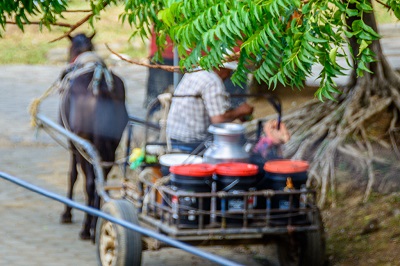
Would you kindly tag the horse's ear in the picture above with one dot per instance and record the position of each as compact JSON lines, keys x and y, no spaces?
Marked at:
{"x":91,"y":37}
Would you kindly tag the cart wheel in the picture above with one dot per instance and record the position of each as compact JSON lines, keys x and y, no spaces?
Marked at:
{"x":117,"y":245}
{"x":303,"y":248}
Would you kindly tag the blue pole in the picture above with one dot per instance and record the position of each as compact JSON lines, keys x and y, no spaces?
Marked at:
{"x":176,"y":63}
{"x":134,"y":227}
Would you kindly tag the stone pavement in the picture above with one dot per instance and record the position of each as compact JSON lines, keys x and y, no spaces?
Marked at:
{"x":30,"y":232}
{"x":29,"y":223}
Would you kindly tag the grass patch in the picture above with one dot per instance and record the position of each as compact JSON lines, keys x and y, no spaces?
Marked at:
{"x":33,"y":45}
{"x":382,"y":15}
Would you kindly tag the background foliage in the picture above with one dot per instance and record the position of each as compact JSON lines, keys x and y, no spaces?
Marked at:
{"x":279,"y":40}
{"x":33,"y":45}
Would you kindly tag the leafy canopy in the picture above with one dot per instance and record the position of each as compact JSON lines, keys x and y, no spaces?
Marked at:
{"x":20,"y":11}
{"x":279,"y":40}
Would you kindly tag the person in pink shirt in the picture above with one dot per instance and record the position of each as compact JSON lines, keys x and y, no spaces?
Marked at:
{"x":269,"y":146}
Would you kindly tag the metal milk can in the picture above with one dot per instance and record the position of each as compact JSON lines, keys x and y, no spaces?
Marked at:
{"x":227,"y":145}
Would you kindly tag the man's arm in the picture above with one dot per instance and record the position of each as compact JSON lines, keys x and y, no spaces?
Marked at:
{"x":230,"y":115}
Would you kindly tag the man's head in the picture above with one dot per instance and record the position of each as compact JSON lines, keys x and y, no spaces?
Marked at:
{"x":226,"y":69}
{"x":223,"y":73}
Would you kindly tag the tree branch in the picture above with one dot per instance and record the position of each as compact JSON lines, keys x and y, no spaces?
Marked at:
{"x":38,"y":23}
{"x":78,"y":11}
{"x":156,"y":66}
{"x":385,"y":5}
{"x":76,"y":25}
{"x":73,"y":27}
{"x":392,"y":133}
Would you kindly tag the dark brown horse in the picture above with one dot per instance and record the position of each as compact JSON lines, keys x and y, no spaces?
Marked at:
{"x":92,"y":107}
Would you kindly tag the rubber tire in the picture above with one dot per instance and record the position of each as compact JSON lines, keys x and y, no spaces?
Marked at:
{"x":127,"y":249}
{"x":303,"y":249}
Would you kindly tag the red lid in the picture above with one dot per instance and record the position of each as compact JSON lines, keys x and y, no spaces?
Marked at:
{"x":286,"y":166}
{"x":196,"y":170}
{"x":236,"y":169}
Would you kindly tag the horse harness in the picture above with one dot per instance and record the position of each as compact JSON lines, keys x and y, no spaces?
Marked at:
{"x":85,"y":63}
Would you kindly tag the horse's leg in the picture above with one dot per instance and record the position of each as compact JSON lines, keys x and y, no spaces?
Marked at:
{"x":90,"y":195}
{"x":66,"y":217}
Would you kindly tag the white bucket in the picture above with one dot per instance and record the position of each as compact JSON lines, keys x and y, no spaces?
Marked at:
{"x":172,"y":159}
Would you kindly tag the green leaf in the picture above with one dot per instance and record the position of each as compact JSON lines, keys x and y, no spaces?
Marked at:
{"x":306,"y":8}
{"x":366,"y":36}
{"x":268,"y":69}
{"x":364,"y":6}
{"x":357,"y":25}
{"x":273,"y":81}
{"x":305,"y":59}
{"x":281,"y":78}
{"x":274,"y":8}
{"x":340,"y":5}
{"x":271,"y":34}
{"x":313,"y":39}
{"x":363,"y":67}
{"x":236,"y":19}
{"x":300,"y":65}
{"x":348,"y":34}
{"x":332,"y":55}
{"x":310,"y":48}
{"x":396,"y":12}
{"x":363,"y":46}
{"x":352,"y":12}
{"x":370,"y":31}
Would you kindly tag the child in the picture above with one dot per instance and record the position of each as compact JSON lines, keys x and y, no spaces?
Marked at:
{"x":269,"y":146}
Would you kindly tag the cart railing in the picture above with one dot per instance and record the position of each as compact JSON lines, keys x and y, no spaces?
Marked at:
{"x":182,"y":213}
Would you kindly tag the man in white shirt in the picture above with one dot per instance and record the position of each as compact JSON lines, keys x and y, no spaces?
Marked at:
{"x":208,"y":103}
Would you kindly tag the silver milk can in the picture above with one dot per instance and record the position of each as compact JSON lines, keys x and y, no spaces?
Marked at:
{"x":227,"y":145}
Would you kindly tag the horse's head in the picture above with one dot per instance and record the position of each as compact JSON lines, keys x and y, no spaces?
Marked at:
{"x":80,"y":43}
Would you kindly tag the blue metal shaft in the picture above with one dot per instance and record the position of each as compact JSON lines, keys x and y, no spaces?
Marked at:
{"x":85,"y":145}
{"x":134,"y":227}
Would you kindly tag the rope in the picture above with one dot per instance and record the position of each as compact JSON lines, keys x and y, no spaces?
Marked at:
{"x":165,"y":102}
{"x":160,"y":181}
{"x":34,"y":106}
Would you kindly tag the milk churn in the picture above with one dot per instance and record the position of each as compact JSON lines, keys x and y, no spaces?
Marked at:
{"x":227,"y":145}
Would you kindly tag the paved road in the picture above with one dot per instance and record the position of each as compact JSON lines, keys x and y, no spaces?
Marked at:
{"x":29,"y":224}
{"x":30,"y":232}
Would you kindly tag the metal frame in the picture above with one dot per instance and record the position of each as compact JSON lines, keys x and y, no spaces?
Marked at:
{"x":256,"y":224}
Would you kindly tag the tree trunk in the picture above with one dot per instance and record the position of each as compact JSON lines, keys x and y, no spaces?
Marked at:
{"x":364,"y":117}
